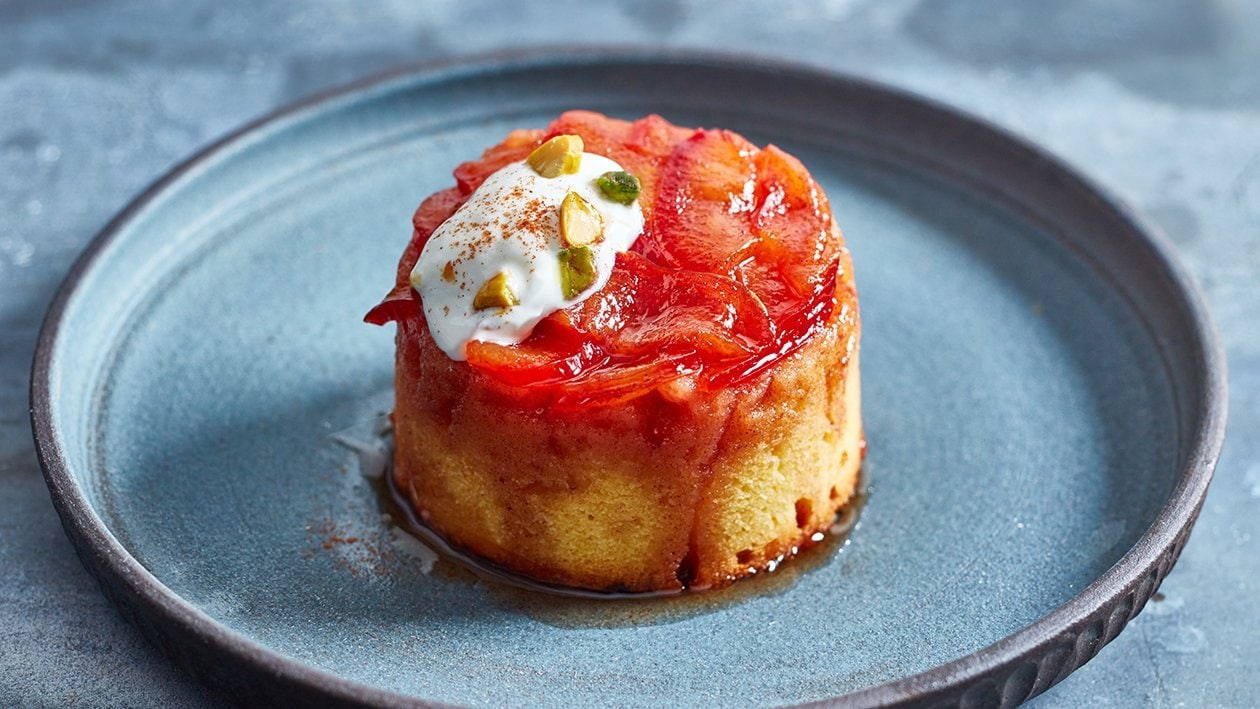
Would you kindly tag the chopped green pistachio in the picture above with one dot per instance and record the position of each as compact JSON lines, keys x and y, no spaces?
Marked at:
{"x":580,"y":222}
{"x":562,"y":155}
{"x":496,"y":293}
{"x":577,"y":270}
{"x":619,"y":186}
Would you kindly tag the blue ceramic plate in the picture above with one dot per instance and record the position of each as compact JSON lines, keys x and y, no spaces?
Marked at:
{"x":1043,"y":401}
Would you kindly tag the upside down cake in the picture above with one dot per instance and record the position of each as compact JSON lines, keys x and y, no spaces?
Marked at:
{"x":627,"y":357}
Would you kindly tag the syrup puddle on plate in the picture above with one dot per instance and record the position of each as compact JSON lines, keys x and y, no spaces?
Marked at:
{"x":575,"y":607}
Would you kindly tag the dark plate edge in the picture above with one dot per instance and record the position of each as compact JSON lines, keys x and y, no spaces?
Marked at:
{"x":1010,"y":671}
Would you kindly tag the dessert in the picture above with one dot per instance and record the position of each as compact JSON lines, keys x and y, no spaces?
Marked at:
{"x":627,"y":357}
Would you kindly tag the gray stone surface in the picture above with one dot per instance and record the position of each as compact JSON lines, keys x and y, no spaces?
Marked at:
{"x":1157,"y":99}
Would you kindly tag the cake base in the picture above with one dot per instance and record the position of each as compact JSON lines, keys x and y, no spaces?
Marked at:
{"x":677,"y":488}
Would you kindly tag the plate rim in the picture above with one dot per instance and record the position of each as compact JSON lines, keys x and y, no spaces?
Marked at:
{"x":1011,"y":670}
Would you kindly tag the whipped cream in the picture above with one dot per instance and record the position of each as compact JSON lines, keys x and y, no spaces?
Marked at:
{"x":511,"y":224}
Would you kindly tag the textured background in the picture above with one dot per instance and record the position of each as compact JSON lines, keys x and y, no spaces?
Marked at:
{"x":1159,"y":100}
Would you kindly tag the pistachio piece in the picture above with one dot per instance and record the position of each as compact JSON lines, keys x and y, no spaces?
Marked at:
{"x":580,"y":222}
{"x":619,"y":186}
{"x":495,"y":293}
{"x":577,"y":270}
{"x":562,"y":155}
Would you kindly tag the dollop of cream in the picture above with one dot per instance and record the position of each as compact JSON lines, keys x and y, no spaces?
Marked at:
{"x":511,"y":224}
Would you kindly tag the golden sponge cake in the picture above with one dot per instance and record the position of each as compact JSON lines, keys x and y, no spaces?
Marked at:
{"x":679,"y":460}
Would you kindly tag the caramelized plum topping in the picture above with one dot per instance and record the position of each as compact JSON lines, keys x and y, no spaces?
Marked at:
{"x":737,"y":266}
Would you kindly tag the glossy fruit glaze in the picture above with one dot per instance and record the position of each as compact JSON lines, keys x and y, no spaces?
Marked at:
{"x":737,"y":267}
